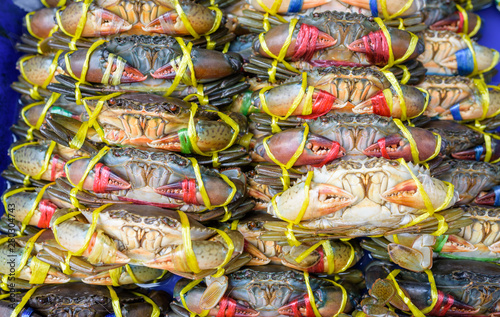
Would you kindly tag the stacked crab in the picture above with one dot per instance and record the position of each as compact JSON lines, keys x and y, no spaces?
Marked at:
{"x":242,"y":146}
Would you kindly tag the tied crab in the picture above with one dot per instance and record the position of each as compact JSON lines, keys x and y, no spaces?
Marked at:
{"x":464,"y":287}
{"x":150,"y":121}
{"x":363,"y":44}
{"x":438,"y":15}
{"x":131,"y":59}
{"x":359,"y":197}
{"x":458,"y":98}
{"x":473,"y":237}
{"x":337,"y":89}
{"x":360,"y":135}
{"x":265,"y":252}
{"x":153,"y":237}
{"x":104,"y":18}
{"x":78,"y":299}
{"x":262,"y":291}
{"x":447,"y":53}
{"x":163,"y":179}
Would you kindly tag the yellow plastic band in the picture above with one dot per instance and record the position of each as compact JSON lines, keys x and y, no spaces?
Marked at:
{"x":485,"y":96}
{"x":307,"y":110}
{"x":53,"y":98}
{"x":226,"y":47}
{"x":131,"y":274}
{"x":273,"y":11}
{"x":312,"y":301}
{"x":292,"y":240}
{"x":30,"y":31}
{"x":81,"y":24}
{"x":386,"y":15}
{"x":468,"y":42}
{"x":434,"y":292}
{"x":285,"y":167}
{"x":406,"y":74}
{"x":234,"y":224}
{"x":81,"y":134}
{"x":23,"y":302}
{"x":39,"y":271}
{"x":416,"y":312}
{"x":180,"y":69}
{"x":115,"y":302}
{"x":27,"y":252}
{"x":281,"y":55}
{"x":245,"y":140}
{"x":45,"y":162}
{"x":156,"y":309}
{"x":227,"y":215}
{"x":79,"y":187}
{"x":115,"y":274}
{"x":193,"y":135}
{"x":201,"y":186}
{"x":427,"y":98}
{"x":52,"y":69}
{"x":187,"y":243}
{"x":442,"y":225}
{"x":402,"y":103}
{"x":229,"y":254}
{"x":21,"y":67}
{"x":387,"y":35}
{"x":186,"y":289}
{"x":409,"y":137}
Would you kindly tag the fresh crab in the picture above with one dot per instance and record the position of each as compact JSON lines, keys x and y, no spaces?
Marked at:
{"x":132,"y":60}
{"x":153,"y":237}
{"x":464,"y":287}
{"x":162,"y":179}
{"x":470,"y":178}
{"x":458,"y":98}
{"x":447,"y":53}
{"x":361,"y":44}
{"x":105,"y":17}
{"x":251,"y":227}
{"x":150,"y":121}
{"x":339,"y":89}
{"x":79,"y":299}
{"x":262,"y":291}
{"x":360,"y":135}
{"x":359,"y":197}
{"x":473,"y":239}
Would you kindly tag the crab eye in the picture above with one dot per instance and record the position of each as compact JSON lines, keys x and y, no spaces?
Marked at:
{"x":112,"y":101}
{"x":101,"y":300}
{"x":43,"y":300}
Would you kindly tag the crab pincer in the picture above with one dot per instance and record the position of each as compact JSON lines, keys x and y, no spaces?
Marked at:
{"x":100,"y":178}
{"x":306,"y":40}
{"x":397,"y":146}
{"x":317,"y":151}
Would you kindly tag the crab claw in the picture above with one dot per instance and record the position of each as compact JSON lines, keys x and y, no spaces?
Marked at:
{"x":30,"y":160}
{"x":120,"y":72}
{"x":407,"y":194}
{"x":24,"y":201}
{"x":478,"y":153}
{"x":100,"y":179}
{"x":207,"y":64}
{"x":200,"y":17}
{"x":395,"y":146}
{"x":210,"y":136}
{"x":279,"y":100}
{"x":37,"y":70}
{"x":414,"y":103}
{"x":455,"y":23}
{"x":376,"y":48}
{"x":317,"y":151}
{"x":491,"y":198}
{"x":447,"y":305}
{"x":300,"y":47}
{"x":42,"y":22}
{"x":99,"y":22}
{"x":188,"y":191}
{"x":324,"y":199}
{"x":457,"y":244}
{"x":327,"y":301}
